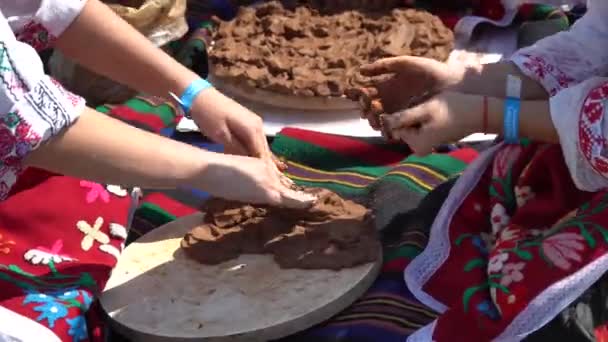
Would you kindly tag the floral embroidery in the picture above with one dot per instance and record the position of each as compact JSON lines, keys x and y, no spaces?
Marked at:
{"x":50,"y":310}
{"x":543,"y":70}
{"x":55,"y":305}
{"x":509,"y":234}
{"x":591,"y":137}
{"x":562,"y":248}
{"x":96,"y":191}
{"x":78,"y":328}
{"x":92,"y":234}
{"x":35,"y":35}
{"x":512,"y":273}
{"x":5,"y":245}
{"x":523,"y":195}
{"x":499,"y":218}
{"x":117,"y":190}
{"x":118,"y":231}
{"x":113,"y":251}
{"x":43,"y":255}
{"x":505,"y":159}
{"x":17,"y":139}
{"x":497,"y":262}
{"x":489,"y":309}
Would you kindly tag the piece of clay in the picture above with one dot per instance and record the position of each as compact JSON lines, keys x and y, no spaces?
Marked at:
{"x":303,"y":52}
{"x":333,"y":234}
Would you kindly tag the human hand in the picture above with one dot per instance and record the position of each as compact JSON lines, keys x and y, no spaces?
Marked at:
{"x":398,"y":83}
{"x":447,"y":117}
{"x":227,"y":122}
{"x":251,"y":180}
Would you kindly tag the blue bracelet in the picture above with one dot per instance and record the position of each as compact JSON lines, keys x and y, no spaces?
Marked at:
{"x":511,"y":120}
{"x":187,"y":98}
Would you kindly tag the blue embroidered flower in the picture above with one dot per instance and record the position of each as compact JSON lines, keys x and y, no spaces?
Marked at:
{"x":34,"y":297}
{"x":22,"y":148}
{"x":480,"y":244}
{"x":51,"y":311}
{"x":66,"y":294}
{"x":78,"y":328}
{"x":86,"y":298}
{"x":487,"y":308}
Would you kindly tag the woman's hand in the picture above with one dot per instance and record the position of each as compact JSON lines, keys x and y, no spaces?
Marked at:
{"x":447,"y":117}
{"x":400,"y":82}
{"x":227,"y":122}
{"x":251,"y":180}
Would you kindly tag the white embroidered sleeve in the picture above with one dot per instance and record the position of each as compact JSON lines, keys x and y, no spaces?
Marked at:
{"x":569,"y":57}
{"x":53,"y":15}
{"x":579,"y":115}
{"x":33,"y":107}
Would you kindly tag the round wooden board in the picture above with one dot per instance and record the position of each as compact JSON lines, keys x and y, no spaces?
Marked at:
{"x":242,"y":91}
{"x":157,"y":294}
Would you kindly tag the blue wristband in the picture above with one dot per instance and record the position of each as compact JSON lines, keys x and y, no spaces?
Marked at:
{"x":511,"y":120}
{"x":187,"y":98}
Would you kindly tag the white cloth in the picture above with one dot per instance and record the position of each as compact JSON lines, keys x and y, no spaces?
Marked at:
{"x":570,"y":65}
{"x":33,"y":107}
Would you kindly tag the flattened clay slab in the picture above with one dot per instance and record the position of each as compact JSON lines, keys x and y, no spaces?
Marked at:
{"x":157,"y":294}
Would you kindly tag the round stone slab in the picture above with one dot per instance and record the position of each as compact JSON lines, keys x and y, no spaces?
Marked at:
{"x":155,"y":293}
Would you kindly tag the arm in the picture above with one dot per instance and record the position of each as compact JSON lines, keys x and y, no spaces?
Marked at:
{"x":101,"y":41}
{"x":552,"y":64}
{"x":95,"y":147}
{"x":490,"y":80}
{"x":535,"y":120}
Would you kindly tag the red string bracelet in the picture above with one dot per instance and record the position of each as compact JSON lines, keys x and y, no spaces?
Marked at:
{"x":485,"y":115}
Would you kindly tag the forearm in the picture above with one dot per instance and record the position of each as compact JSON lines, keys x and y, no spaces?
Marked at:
{"x":102,"y":149}
{"x":491,"y":79}
{"x":101,"y":41}
{"x":534,"y":117}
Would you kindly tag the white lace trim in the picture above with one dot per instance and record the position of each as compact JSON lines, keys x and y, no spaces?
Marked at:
{"x":422,"y":268}
{"x":553,"y":300}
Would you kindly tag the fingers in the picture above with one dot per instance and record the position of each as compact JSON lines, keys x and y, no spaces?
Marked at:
{"x":413,"y":118}
{"x":373,"y":114}
{"x":415,"y":139}
{"x":382,"y":66}
{"x":297,"y":199}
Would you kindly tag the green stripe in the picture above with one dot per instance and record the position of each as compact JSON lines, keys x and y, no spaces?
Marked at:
{"x":441,"y":163}
{"x":340,"y":189}
{"x":163,"y":111}
{"x":408,"y":252}
{"x":103,"y":109}
{"x":407,"y":182}
{"x":317,"y":157}
{"x":155,"y":214}
{"x":311,"y":155}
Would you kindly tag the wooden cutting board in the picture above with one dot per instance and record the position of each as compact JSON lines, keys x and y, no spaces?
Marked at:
{"x":157,"y":294}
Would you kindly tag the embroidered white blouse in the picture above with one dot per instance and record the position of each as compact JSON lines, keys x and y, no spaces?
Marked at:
{"x":33,"y":107}
{"x":573,"y":68}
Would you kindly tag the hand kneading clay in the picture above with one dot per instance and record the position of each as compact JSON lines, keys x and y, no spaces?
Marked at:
{"x":333,"y":234}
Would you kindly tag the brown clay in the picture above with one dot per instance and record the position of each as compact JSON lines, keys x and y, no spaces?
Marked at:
{"x":304,"y":52}
{"x":333,"y":234}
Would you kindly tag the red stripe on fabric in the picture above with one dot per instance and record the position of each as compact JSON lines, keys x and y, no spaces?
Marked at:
{"x":397,"y":265}
{"x":346,"y":146}
{"x":168,"y":204}
{"x":127,"y":113}
{"x":466,"y":155}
